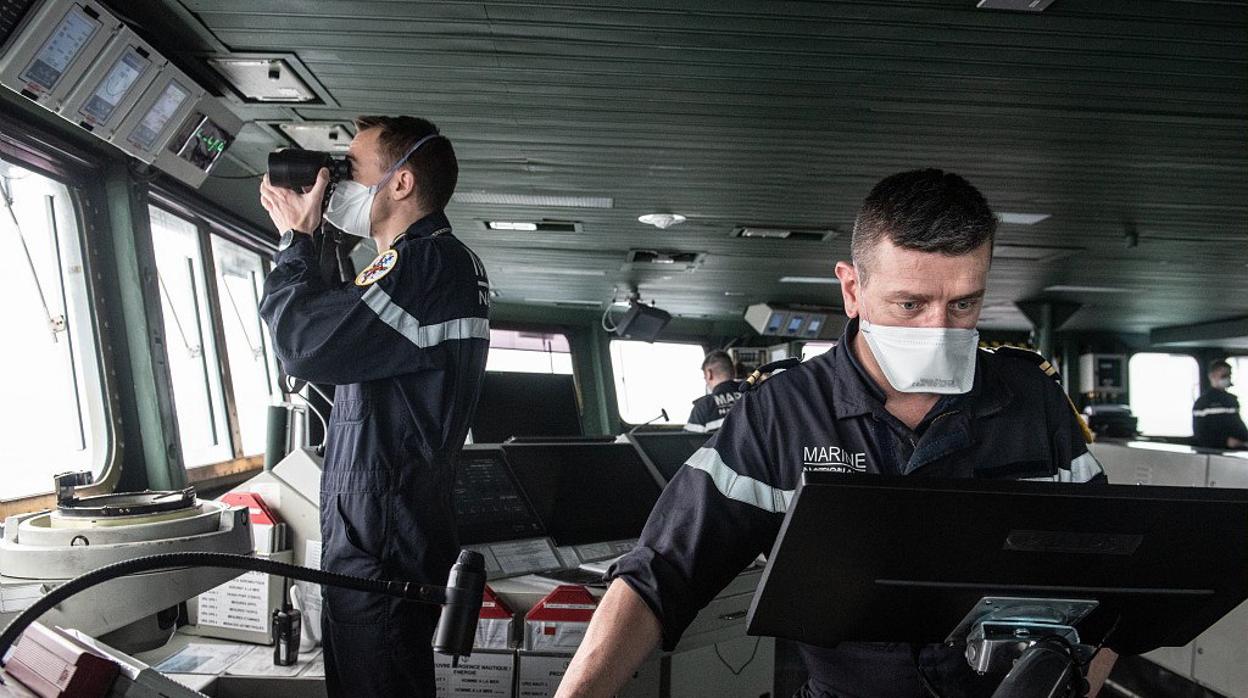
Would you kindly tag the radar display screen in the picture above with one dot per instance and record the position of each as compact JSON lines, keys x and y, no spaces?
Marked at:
{"x":157,"y":117}
{"x":201,"y":142}
{"x":113,"y":88}
{"x":490,"y":507}
{"x":66,"y":42}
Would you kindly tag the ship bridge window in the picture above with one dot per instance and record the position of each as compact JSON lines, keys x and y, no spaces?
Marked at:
{"x":190,"y":340}
{"x":1163,"y":388}
{"x":529,"y":352}
{"x":1239,"y":379}
{"x":54,"y":417}
{"x":650,"y":377}
{"x":253,"y":368}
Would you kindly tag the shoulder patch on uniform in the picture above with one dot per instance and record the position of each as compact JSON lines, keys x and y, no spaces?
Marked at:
{"x":378,"y":269}
{"x":1030,"y":357}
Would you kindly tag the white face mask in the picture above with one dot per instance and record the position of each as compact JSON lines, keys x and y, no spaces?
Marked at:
{"x":1222,"y":383}
{"x":924,"y":359}
{"x":350,"y":207}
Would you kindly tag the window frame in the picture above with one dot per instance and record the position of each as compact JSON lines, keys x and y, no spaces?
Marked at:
{"x":185,"y":205}
{"x":47,"y":156}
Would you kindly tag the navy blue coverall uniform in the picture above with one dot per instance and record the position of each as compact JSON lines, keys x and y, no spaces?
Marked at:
{"x":406,"y":345}
{"x":1215,"y":417}
{"x":726,"y":505}
{"x":709,"y":410}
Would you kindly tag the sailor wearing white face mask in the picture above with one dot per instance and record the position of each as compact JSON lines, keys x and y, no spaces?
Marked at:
{"x":405,"y":344}
{"x":906,"y":391}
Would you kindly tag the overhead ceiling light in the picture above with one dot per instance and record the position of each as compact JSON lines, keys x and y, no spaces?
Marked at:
{"x":544,"y":226}
{"x":318,"y":135}
{"x":510,"y":225}
{"x":1022,"y":218}
{"x":1034,"y":253}
{"x":1015,"y":5}
{"x":642,"y":258}
{"x":1068,"y":288}
{"x":542,"y":200}
{"x":807,"y":234}
{"x":809,"y":280}
{"x":264,"y":79}
{"x":662,"y":221}
{"x":561,"y":301}
{"x":555,"y":271}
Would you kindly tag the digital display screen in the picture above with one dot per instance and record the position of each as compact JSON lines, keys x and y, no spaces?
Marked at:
{"x":115,"y":85}
{"x":795,"y":324}
{"x":585,"y":493}
{"x":774,"y":322}
{"x":71,"y":35}
{"x":489,"y":505}
{"x":812,"y":329}
{"x":157,"y":117}
{"x":201,"y":142}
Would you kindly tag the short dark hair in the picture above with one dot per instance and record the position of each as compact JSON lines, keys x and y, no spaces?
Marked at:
{"x":926,"y":210}
{"x":434,"y":165}
{"x":1218,"y":363}
{"x":719,"y":362}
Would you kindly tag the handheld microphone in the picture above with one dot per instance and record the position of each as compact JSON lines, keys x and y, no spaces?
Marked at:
{"x":457,"y":626}
{"x":662,"y":415}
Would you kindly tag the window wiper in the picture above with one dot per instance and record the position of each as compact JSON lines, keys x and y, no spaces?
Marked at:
{"x":193,"y":351}
{"x":56,"y":323}
{"x":257,"y":352}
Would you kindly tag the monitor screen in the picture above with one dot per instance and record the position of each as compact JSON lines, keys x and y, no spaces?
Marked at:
{"x":489,"y":504}
{"x":667,"y":451}
{"x":115,"y":85}
{"x":158,"y":116}
{"x":583,"y":492}
{"x":61,"y":48}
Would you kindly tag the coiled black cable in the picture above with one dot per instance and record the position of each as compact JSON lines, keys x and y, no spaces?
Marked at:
{"x":423,"y":593}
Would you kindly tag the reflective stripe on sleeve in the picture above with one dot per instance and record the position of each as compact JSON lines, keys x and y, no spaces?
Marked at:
{"x":423,"y":336}
{"x":1214,"y":410}
{"x":733,"y":485}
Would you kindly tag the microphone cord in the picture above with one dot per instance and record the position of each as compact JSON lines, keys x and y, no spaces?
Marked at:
{"x":410,"y":591}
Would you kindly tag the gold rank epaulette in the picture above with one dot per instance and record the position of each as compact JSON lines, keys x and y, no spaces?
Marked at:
{"x":759,"y":374}
{"x":1051,"y":371}
{"x":1028,"y":355}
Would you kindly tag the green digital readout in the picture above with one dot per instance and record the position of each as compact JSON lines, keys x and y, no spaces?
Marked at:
{"x":201,"y":142}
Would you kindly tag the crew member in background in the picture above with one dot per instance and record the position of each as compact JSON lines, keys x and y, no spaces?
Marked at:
{"x":1215,"y":416}
{"x":405,"y":344}
{"x":721,"y":393}
{"x":904,"y":392}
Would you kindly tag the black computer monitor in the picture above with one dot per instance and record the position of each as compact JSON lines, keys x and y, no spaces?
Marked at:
{"x":667,"y":451}
{"x":586,"y":492}
{"x":904,"y":559}
{"x":490,"y":506}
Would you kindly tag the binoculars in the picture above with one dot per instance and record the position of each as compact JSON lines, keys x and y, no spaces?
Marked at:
{"x":295,"y":169}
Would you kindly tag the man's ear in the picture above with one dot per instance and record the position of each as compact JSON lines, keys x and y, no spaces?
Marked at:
{"x":403,"y":184}
{"x":706,"y":375}
{"x":851,"y":287}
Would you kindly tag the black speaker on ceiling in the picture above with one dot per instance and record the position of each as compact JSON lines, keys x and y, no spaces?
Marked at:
{"x":642,"y":322}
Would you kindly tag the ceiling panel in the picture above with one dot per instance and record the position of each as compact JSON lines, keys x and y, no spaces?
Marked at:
{"x":1122,"y":119}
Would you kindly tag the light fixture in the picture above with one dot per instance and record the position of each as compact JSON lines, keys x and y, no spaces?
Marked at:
{"x":1069,"y":288}
{"x":809,"y":280}
{"x":1022,"y":218}
{"x":1015,"y":5}
{"x":774,"y":233}
{"x":511,"y":225}
{"x":662,"y":221}
{"x":554,"y":271}
{"x":542,"y":200}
